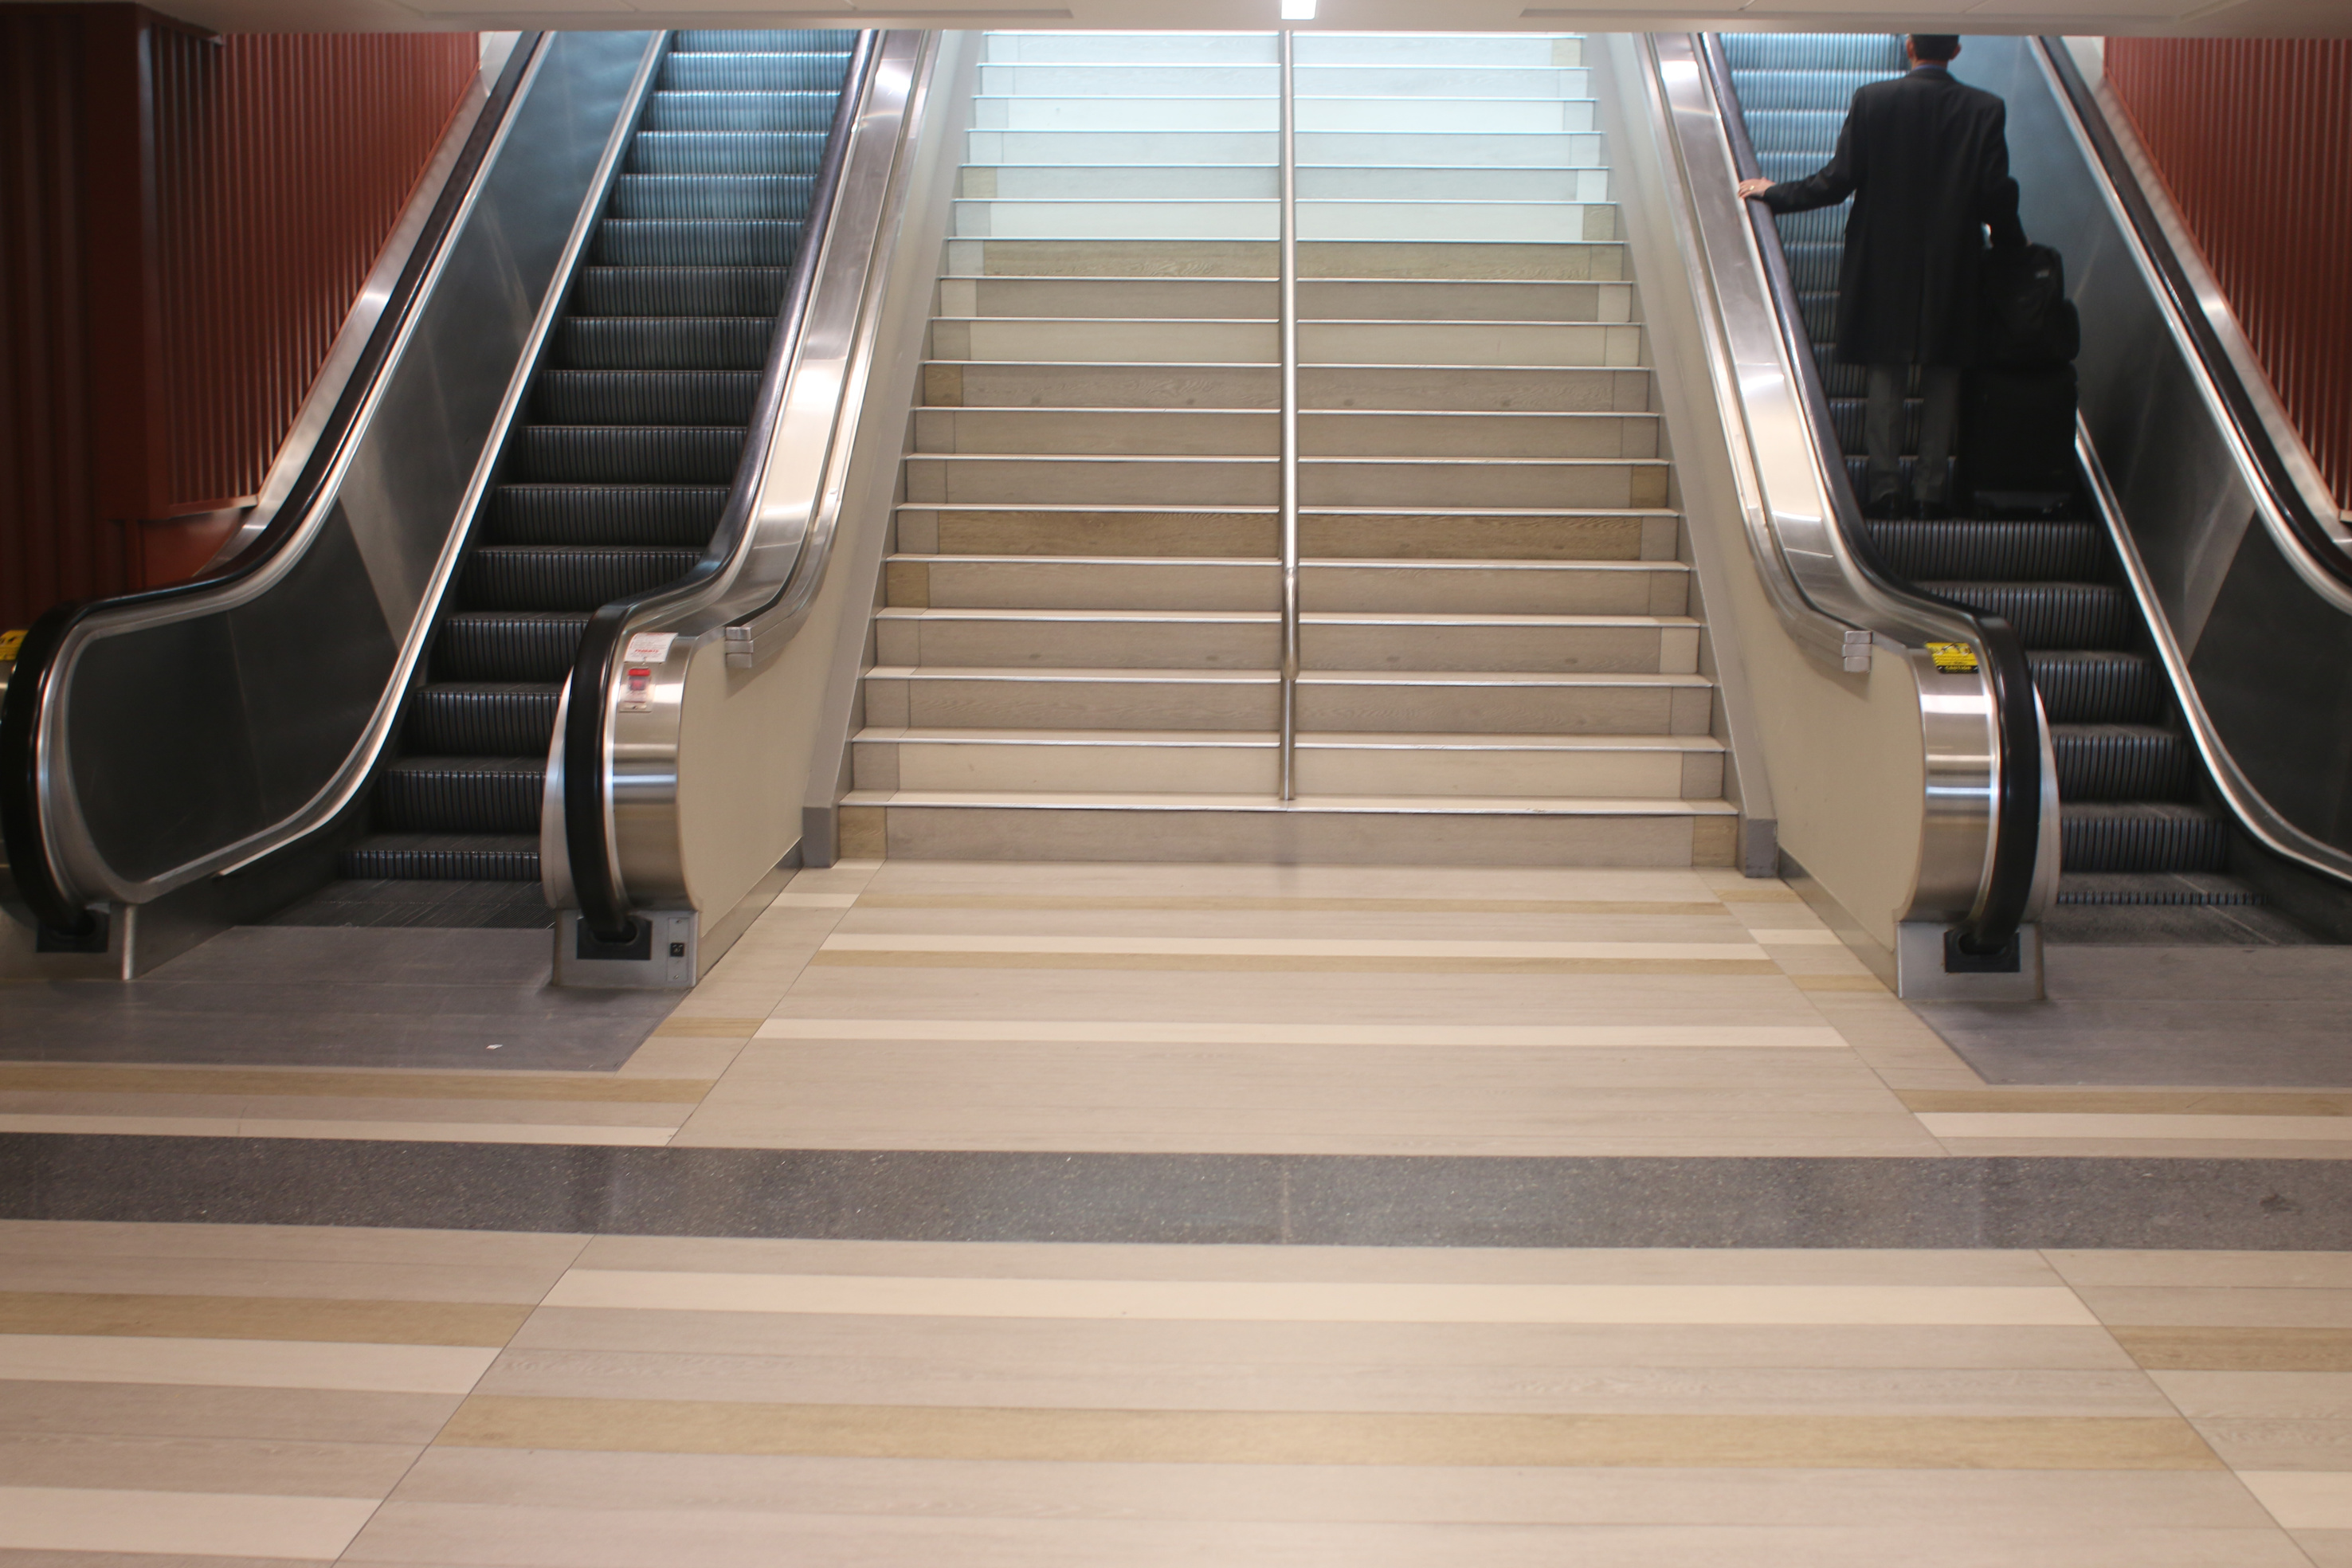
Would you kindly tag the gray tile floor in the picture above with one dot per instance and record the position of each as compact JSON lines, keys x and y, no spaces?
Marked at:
{"x":339,"y":997}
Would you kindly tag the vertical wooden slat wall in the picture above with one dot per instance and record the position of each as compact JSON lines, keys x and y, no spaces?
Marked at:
{"x":2254,"y":138}
{"x":184,"y":221}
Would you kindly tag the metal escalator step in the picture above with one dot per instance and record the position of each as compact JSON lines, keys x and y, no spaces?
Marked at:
{"x":2049,"y":614}
{"x":1848,"y":414}
{"x":1812,"y":132}
{"x":1806,"y":88}
{"x":630,"y":454}
{"x":664,"y":242}
{"x":1788,"y":163}
{"x":676,"y":153}
{"x":443,"y":857}
{"x":753,"y":41}
{"x":664,"y":342}
{"x":680,"y":290}
{"x":484,"y":717}
{"x":557,"y":578}
{"x":2123,"y":762}
{"x":807,"y":115}
{"x":814,"y":77}
{"x":2141,"y":835}
{"x":507,"y":644}
{"x":652,"y":397}
{"x":1991,"y":550}
{"x":462,"y":795}
{"x":2158,"y":888}
{"x":1820,"y":225}
{"x":1880,"y":53}
{"x":782,"y":198}
{"x":606,"y":515}
{"x":1813,"y":264}
{"x":1820,"y":310}
{"x":2084,"y":686}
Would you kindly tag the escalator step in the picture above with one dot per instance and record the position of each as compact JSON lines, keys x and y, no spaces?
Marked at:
{"x":1820,"y":310}
{"x":484,"y":718}
{"x":443,"y":857}
{"x":601,"y":514}
{"x":630,"y":454}
{"x":1813,"y":132}
{"x":462,"y":795}
{"x":664,"y":342}
{"x":1820,"y":224}
{"x":538,"y":577}
{"x":1878,"y":53}
{"x":667,"y":243}
{"x":1813,"y":265}
{"x":2087,"y":686}
{"x":2048,"y":614}
{"x":1991,"y":550}
{"x":1848,"y":417}
{"x":680,"y":290}
{"x":1788,"y":163}
{"x":778,"y":40}
{"x":677,"y":152}
{"x":507,"y":644}
{"x":809,"y":114}
{"x":1810,"y":87}
{"x":649,"y":397}
{"x":2123,"y":762}
{"x":782,"y":197}
{"x":2150,"y":889}
{"x":2139,"y":835}
{"x":815,"y":78}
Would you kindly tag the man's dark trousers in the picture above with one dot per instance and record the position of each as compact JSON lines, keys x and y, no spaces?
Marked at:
{"x":1882,"y":432}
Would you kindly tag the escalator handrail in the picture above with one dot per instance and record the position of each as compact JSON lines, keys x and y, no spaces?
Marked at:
{"x":2317,"y":552}
{"x":2008,"y":888}
{"x":31,"y":691}
{"x":585,"y":742}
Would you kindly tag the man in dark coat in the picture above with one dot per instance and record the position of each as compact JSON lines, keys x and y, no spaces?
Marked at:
{"x":1927,"y":160}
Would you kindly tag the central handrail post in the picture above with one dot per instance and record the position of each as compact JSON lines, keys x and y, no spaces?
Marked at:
{"x":1288,"y":274}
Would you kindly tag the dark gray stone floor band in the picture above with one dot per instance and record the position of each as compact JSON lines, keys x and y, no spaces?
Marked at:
{"x":1308,"y":1200}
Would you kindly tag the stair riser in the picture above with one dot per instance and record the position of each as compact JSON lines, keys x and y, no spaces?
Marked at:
{"x":1398,"y":387}
{"x":1140,"y":217}
{"x":1161,"y":585}
{"x":675,"y":516}
{"x":622,"y":343}
{"x":1432,"y":259}
{"x":1505,"y":118}
{"x":1106,"y":342}
{"x":1669,"y":650}
{"x":1256,"y":149}
{"x":1322,"y":536}
{"x":537,"y":649}
{"x":645,"y":398}
{"x":1212,"y":433}
{"x":478,"y":724}
{"x":1202,"y":298}
{"x":1325,"y":482}
{"x":1568,"y":345}
{"x":489,"y":803}
{"x":1172,"y":79}
{"x":1373,"y":838}
{"x":1182,"y":645}
{"x":1255,"y":769}
{"x":1258,"y":48}
{"x":1224,"y":182}
{"x":938,"y":699}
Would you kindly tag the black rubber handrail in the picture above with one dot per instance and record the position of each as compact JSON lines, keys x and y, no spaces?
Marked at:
{"x":2284,"y":492}
{"x":2008,"y":888}
{"x":21,"y":714}
{"x":595,"y":882}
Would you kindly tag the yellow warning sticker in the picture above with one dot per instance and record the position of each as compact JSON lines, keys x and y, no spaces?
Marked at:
{"x":1953,"y":658}
{"x":9,"y":643}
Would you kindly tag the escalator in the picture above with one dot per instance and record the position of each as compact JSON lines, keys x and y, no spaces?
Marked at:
{"x":615,"y":484}
{"x":2146,"y":844}
{"x":557,"y":417}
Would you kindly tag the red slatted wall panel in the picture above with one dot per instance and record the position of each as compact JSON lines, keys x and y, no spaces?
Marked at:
{"x":281,"y":163}
{"x":2254,"y":136}
{"x":183,"y":223}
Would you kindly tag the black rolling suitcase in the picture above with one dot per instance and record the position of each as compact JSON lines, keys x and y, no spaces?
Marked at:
{"x":2017,"y":419}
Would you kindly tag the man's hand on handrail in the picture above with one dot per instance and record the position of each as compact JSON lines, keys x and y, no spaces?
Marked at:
{"x":1754,"y":189}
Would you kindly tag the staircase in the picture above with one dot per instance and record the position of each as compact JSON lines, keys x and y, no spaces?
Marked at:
{"x":2133,"y":819}
{"x":615,"y":479}
{"x":1078,"y":656}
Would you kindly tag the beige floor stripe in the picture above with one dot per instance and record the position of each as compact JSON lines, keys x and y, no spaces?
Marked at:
{"x":1568,"y":1037}
{"x":1310,"y":965}
{"x":259,"y":1318}
{"x":29,"y":1078}
{"x":1307,"y":1437}
{"x":1259,"y":1300}
{"x":1283,"y":947}
{"x":1660,"y":907}
{"x":2193,"y":1349}
{"x":2133,"y":1101}
{"x":2041,"y":1124}
{"x":245,"y":1363}
{"x":199,"y":1524}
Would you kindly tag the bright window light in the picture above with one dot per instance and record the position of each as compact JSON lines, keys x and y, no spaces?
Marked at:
{"x":1298,"y":10}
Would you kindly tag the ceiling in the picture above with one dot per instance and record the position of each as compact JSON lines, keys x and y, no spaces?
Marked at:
{"x":2220,"y":18}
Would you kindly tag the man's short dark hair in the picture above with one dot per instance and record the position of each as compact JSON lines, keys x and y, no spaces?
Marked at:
{"x":1937,"y":47}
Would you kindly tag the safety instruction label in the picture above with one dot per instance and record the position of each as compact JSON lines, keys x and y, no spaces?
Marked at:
{"x":648,"y":647}
{"x":1953,"y":658}
{"x":9,"y":643}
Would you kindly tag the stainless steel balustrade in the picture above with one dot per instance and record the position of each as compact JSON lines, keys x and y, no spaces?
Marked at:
{"x":623,"y":785}
{"x":187,"y":732}
{"x":1287,"y":289}
{"x":1827,"y":602}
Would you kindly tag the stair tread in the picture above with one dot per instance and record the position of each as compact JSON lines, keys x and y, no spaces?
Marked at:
{"x":1255,"y":739}
{"x":1244,"y":509}
{"x":1154,"y":676}
{"x":1346,"y":563}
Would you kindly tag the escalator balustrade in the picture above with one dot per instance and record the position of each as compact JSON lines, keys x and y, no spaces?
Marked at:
{"x":614,"y":483}
{"x":2134,"y":820}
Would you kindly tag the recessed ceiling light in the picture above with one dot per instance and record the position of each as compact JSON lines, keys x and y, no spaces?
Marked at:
{"x":1298,"y":10}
